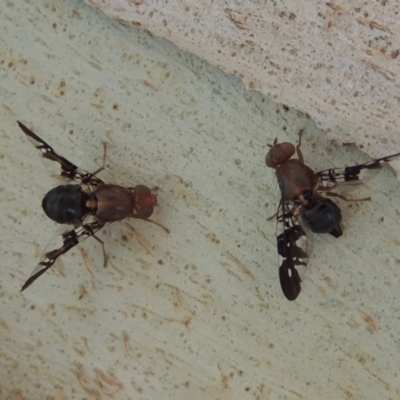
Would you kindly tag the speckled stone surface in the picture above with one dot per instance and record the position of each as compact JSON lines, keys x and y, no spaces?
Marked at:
{"x":201,"y":315}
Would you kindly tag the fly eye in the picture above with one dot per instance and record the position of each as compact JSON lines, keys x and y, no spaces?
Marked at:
{"x":144,"y":201}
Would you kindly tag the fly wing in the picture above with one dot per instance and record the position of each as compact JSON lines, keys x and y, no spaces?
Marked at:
{"x":57,"y":164}
{"x":61,"y":244}
{"x":353,"y":175}
{"x":294,"y":249}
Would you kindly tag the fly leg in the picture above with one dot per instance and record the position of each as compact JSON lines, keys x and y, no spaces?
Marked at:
{"x":105,"y":258}
{"x":103,"y":167}
{"x":298,"y":150}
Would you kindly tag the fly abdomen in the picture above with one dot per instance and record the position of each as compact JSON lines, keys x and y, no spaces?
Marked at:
{"x":65,"y":204}
{"x":323,"y":216}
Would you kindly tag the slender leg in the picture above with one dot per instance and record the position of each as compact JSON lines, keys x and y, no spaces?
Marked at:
{"x":104,"y":160}
{"x":275,"y":142}
{"x":299,"y":153}
{"x":272,"y":217}
{"x":103,"y":248}
{"x":153,"y":222}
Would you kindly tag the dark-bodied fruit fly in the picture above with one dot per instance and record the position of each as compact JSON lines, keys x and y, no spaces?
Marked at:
{"x":85,"y":205}
{"x":304,"y":206}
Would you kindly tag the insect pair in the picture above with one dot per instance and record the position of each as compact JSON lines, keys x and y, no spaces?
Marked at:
{"x":85,"y":206}
{"x":305,"y":206}
{"x":89,"y":203}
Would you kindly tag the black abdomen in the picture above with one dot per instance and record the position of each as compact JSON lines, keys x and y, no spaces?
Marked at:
{"x":324,"y":217}
{"x":65,"y":204}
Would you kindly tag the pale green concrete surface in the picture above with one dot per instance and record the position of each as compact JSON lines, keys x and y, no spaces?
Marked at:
{"x":200,"y":315}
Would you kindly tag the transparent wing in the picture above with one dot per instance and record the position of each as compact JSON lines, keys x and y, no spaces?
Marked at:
{"x":57,"y":164}
{"x":294,"y":249}
{"x":353,"y":175}
{"x":61,"y":244}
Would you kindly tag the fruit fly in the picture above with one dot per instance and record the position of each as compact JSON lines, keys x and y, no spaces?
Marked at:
{"x":85,"y":205}
{"x":305,"y":206}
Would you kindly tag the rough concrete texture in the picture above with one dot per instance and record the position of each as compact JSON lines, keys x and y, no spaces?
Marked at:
{"x":339,"y":62}
{"x":200,"y":315}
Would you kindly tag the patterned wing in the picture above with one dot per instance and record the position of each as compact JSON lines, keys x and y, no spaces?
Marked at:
{"x":354,"y":174}
{"x":293,"y":248}
{"x":68,"y":169}
{"x":61,"y":244}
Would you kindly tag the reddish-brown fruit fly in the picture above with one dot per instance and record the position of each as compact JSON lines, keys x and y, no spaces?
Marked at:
{"x":85,"y":205}
{"x":305,"y":206}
